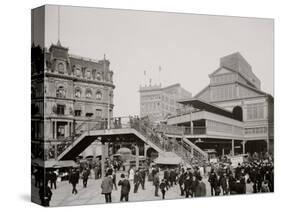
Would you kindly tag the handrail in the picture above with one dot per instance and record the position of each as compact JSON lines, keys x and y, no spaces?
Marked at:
{"x":151,"y":132}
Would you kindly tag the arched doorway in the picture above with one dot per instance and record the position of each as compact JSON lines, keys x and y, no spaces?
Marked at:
{"x":237,"y":113}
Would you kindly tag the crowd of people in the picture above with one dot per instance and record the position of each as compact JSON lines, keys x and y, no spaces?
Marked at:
{"x":187,"y":181}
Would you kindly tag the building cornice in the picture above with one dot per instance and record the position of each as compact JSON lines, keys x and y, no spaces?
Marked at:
{"x":75,"y":79}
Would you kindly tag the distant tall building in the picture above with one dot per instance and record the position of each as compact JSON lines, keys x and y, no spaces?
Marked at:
{"x":158,"y":102}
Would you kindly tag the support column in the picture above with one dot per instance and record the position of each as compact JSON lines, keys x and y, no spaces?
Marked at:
{"x":137,"y":157}
{"x":267,"y":145}
{"x":102,"y":159}
{"x":232,"y":147}
{"x":56,"y":150}
{"x":244,"y":146}
{"x":191,"y":127}
{"x":222,"y":152}
{"x":69,"y":128}
{"x":55,"y":128}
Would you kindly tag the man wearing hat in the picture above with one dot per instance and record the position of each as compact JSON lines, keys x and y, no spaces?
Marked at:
{"x":125,"y":188}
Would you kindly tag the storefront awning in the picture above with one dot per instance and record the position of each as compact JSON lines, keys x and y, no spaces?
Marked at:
{"x":168,"y":158}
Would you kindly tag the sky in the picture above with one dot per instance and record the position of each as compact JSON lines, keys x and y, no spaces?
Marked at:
{"x":186,"y":46}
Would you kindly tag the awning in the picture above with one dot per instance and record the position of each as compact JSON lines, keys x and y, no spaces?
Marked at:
{"x":168,"y":158}
{"x":54,"y":164}
{"x":202,"y":105}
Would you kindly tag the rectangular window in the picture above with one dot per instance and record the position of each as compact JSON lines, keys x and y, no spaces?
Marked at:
{"x":77,"y":112}
{"x":255,"y":111}
{"x":60,"y":109}
{"x":98,"y":113}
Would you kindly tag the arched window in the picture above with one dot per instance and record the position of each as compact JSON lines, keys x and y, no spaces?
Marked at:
{"x":77,"y":92}
{"x":60,"y":93}
{"x":88,"y":93}
{"x":61,"y":68}
{"x":78,"y":72}
{"x":98,"y":95}
{"x":98,"y":77}
{"x":88,"y":74}
{"x":237,"y":113}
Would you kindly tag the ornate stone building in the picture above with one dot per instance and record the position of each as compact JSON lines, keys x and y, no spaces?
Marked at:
{"x":69,"y":92}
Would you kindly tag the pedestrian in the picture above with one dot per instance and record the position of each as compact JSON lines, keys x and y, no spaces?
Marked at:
{"x":143,"y":175}
{"x":137,"y":180}
{"x":181,"y":182}
{"x":194,"y":185}
{"x":74,"y":179}
{"x":200,"y":190}
{"x":107,"y":187}
{"x":213,"y":181}
{"x":85,"y":176}
{"x":45,"y":194}
{"x":187,"y":185}
{"x":156,"y":183}
{"x":131,"y":175}
{"x":264,"y":187}
{"x":114,"y":179}
{"x":53,"y":180}
{"x":125,"y":188}
{"x":163,"y":188}
{"x":224,"y":183}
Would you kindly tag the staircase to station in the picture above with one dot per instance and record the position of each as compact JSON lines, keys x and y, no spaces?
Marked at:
{"x":89,"y":131}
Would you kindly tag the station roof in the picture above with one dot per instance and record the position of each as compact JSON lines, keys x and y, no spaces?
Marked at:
{"x":202,"y":105}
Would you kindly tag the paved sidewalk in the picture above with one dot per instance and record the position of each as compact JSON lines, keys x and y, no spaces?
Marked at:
{"x":62,"y":196}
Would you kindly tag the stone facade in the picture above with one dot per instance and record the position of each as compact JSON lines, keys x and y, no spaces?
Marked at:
{"x":70,"y":91}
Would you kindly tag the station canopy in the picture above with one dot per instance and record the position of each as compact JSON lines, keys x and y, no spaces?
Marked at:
{"x":54,"y":164}
{"x":205,"y":106}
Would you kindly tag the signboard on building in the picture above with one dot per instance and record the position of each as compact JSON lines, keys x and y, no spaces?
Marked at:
{"x":235,"y":160}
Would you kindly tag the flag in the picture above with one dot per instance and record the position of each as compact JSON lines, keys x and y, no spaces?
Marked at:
{"x":144,"y":73}
{"x":160,"y":68}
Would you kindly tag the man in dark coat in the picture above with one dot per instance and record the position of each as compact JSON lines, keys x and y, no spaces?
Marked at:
{"x":143,"y":175}
{"x":85,"y":176}
{"x":53,"y":179}
{"x":125,"y":188}
{"x":137,"y":181}
{"x":156,"y":182}
{"x":181,"y":182}
{"x":74,"y":179}
{"x":45,"y":194}
{"x":107,"y":187}
{"x":200,"y":190}
{"x":213,"y":181}
{"x":223,"y":183}
{"x":188,"y":186}
{"x":173,"y":177}
{"x":163,"y":188}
